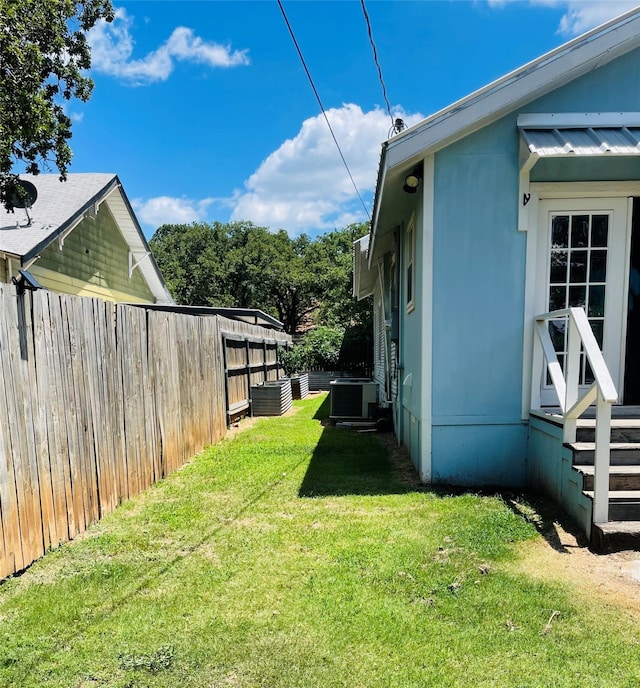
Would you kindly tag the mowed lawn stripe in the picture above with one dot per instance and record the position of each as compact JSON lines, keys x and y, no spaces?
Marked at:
{"x":295,"y":554}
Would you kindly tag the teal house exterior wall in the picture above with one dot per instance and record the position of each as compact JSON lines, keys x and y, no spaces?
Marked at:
{"x":478,"y":434}
{"x":459,"y":374}
{"x":411,"y":361}
{"x":478,"y":299}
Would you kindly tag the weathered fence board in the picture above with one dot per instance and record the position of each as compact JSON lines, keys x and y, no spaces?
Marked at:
{"x":99,"y":401}
{"x":248,"y":361}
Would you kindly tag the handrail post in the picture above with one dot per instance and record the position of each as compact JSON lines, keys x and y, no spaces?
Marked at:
{"x":572,"y":364}
{"x":601,"y":461}
{"x":538,"y":368}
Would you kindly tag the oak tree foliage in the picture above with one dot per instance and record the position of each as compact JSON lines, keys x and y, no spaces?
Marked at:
{"x":301,"y":281}
{"x":44,"y":55}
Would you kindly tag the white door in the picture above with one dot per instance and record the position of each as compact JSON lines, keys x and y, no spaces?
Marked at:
{"x":584,"y":245}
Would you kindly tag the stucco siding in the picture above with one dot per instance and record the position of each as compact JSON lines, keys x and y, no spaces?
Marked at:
{"x":94,"y":261}
{"x":614,"y":87}
{"x":479,"y":454}
{"x":478,"y":279}
{"x":478,"y":301}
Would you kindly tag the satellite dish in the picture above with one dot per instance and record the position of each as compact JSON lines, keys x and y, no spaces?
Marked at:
{"x":17,"y":201}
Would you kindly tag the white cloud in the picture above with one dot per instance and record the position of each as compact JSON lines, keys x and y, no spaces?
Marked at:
{"x":304,"y":186}
{"x":581,"y":15}
{"x":168,"y":210}
{"x":112,"y":47}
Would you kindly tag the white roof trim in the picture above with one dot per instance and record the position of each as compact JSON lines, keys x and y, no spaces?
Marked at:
{"x":126,"y":222}
{"x":363,"y":277}
{"x":556,"y":68}
{"x":577,"y":120}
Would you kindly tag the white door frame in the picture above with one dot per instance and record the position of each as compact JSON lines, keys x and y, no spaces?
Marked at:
{"x":598,"y":196}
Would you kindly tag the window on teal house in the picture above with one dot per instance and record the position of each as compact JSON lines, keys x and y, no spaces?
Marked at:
{"x":410,"y":255}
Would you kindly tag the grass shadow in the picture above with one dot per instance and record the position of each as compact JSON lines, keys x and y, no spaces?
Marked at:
{"x":347,"y":462}
{"x":323,"y":410}
{"x":548,"y":519}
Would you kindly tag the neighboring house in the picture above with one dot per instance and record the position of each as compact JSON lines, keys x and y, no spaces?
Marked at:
{"x":81,"y":237}
{"x":520,"y":199}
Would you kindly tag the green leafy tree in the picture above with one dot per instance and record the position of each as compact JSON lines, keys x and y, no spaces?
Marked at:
{"x":194,"y":260}
{"x":43,"y":56}
{"x":332,"y":254}
{"x":300,"y":281}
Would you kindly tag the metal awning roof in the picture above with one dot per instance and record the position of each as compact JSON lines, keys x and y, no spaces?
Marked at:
{"x":561,"y":141}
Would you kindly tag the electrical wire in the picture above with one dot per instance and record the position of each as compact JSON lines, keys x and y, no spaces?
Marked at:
{"x":397,"y":125}
{"x":315,"y":91}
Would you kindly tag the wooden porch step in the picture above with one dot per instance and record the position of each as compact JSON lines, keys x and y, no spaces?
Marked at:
{"x":615,"y":536}
{"x":624,"y":477}
{"x":622,"y":453}
{"x":624,"y":505}
{"x":622,"y":430}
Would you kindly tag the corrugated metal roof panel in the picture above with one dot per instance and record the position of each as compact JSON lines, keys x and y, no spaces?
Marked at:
{"x":583,"y":141}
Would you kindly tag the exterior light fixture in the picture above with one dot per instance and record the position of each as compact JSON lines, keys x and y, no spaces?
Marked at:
{"x":411,"y":183}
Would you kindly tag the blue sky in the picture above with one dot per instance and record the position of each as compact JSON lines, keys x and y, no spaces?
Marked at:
{"x":204,"y":110}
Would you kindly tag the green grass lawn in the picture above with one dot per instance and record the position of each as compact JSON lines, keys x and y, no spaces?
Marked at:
{"x":293,"y":555}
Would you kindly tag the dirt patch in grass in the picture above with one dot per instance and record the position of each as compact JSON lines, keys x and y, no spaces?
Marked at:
{"x":402,"y":466}
{"x":562,"y":553}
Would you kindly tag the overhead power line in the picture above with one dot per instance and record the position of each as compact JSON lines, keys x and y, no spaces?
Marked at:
{"x":315,"y":91}
{"x":397,"y":125}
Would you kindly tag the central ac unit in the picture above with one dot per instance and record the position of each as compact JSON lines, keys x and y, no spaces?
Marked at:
{"x":353,"y":398}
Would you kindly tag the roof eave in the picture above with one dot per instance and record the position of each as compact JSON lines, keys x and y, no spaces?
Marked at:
{"x":148,"y":267}
{"x":548,"y":72}
{"x":71,"y":221}
{"x":499,"y":98}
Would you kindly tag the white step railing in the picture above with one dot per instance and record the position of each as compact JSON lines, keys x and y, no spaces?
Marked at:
{"x":574,"y":401}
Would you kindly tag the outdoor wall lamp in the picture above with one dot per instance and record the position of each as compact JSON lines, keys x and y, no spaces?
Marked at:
{"x":411,"y":183}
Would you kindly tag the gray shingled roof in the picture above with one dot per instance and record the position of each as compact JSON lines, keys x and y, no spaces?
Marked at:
{"x":58,"y":206}
{"x":61,"y":205}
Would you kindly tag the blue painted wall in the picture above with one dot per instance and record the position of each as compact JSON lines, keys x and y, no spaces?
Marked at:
{"x":613,"y":87}
{"x":478,"y":301}
{"x":411,"y":357}
{"x":479,"y":277}
{"x":550,"y":470}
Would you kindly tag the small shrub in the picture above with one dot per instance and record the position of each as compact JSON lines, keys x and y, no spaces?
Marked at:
{"x":293,"y":360}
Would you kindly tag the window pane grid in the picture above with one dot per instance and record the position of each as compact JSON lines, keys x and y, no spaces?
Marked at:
{"x":577,"y":277}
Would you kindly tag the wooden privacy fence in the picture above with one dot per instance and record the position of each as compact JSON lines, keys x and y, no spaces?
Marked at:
{"x":249,"y":361}
{"x":99,"y":401}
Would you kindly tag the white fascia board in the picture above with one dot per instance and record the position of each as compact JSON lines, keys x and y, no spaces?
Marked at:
{"x":382,"y":173}
{"x":578,"y":120}
{"x":556,"y":68}
{"x":132,"y":234}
